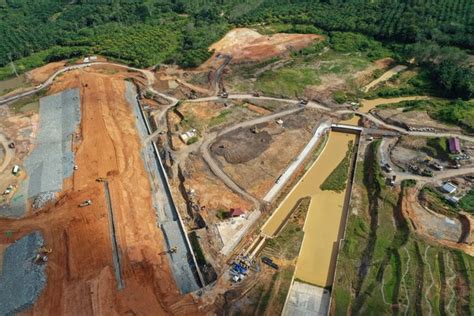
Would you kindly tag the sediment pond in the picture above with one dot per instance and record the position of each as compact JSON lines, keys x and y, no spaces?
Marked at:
{"x":324,"y":215}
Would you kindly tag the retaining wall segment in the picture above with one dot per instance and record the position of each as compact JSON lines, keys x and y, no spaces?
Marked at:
{"x":183,"y":262}
{"x":52,"y":159}
{"x":21,"y":280}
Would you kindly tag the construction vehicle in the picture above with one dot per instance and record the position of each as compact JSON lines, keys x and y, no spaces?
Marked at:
{"x":255,"y":130}
{"x":40,"y":259}
{"x":224,"y":95}
{"x":15,"y":170}
{"x":85,"y":203}
{"x":427,"y":173}
{"x":303,"y":101}
{"x":8,"y":190}
{"x":101,"y":179}
{"x":44,"y":250}
{"x":270,"y":262}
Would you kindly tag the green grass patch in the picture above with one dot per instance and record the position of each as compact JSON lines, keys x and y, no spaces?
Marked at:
{"x":404,"y":84}
{"x":25,"y":105}
{"x":287,"y":82}
{"x":200,"y":258}
{"x":192,"y":140}
{"x":342,"y":299}
{"x":262,"y":307}
{"x":222,"y":214}
{"x":467,"y":202}
{"x":436,"y":201}
{"x":458,"y":113}
{"x":408,"y":183}
{"x":336,"y":181}
{"x":437,"y":147}
{"x":219,"y":119}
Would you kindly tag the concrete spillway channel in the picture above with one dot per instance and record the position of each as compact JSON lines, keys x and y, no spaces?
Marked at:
{"x":182,"y":260}
{"x":113,"y":238}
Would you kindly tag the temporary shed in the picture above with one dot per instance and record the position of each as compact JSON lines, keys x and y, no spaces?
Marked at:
{"x":449,"y":188}
{"x":454,"y":145}
{"x":236,"y":212}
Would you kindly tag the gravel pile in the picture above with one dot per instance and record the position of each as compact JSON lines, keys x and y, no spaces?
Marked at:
{"x":52,"y":159}
{"x":21,"y":280}
{"x":42,"y":199}
{"x":181,"y":262}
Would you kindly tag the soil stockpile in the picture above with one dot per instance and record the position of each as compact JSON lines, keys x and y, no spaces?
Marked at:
{"x":246,"y":45}
{"x":242,"y":145}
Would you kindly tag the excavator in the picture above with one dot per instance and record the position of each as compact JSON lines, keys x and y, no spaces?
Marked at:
{"x":42,"y":255}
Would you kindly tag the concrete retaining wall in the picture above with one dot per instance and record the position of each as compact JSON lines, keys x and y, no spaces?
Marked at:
{"x":183,"y":261}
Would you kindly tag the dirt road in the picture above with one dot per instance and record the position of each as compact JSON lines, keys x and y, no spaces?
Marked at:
{"x":214,"y":166}
{"x":387,"y":75}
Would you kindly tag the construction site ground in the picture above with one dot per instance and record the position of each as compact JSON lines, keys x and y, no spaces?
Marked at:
{"x":316,"y":76}
{"x":80,"y":269}
{"x":264,"y":292}
{"x":246,"y":45}
{"x":414,"y":119}
{"x":253,"y":157}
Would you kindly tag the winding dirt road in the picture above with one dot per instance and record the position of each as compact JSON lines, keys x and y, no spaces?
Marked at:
{"x":205,"y":145}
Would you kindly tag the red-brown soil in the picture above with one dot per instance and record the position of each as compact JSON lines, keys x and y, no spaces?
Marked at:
{"x":80,"y":269}
{"x":246,"y":45}
{"x":41,"y":74}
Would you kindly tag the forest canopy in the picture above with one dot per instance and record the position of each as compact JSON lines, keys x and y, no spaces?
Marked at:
{"x":148,"y":32}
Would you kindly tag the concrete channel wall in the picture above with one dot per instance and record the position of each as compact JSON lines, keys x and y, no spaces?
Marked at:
{"x":183,"y":261}
{"x":283,"y":179}
{"x":347,"y":204}
{"x":320,"y":304}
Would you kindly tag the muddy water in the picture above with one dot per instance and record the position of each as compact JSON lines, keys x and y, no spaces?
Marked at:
{"x":14,"y":83}
{"x":367,"y":105}
{"x":324,"y":216}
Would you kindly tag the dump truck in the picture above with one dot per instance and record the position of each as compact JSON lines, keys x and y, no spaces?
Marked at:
{"x":85,"y":203}
{"x":224,"y":95}
{"x":270,"y":262}
{"x":15,"y":170}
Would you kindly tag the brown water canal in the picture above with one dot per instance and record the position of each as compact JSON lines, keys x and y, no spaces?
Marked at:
{"x":316,"y":260}
{"x":367,"y":105}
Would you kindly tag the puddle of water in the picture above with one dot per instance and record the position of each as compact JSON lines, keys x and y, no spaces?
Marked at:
{"x":367,"y":105}
{"x":11,"y":84}
{"x":324,"y":214}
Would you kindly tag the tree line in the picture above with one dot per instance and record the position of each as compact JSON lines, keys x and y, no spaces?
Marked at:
{"x":148,"y":32}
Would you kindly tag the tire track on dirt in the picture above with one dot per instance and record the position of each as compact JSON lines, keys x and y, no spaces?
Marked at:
{"x":403,"y":279}
{"x":432,"y":280}
{"x":451,"y":286}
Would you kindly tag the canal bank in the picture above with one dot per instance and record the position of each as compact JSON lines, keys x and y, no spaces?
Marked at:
{"x":325,"y":215}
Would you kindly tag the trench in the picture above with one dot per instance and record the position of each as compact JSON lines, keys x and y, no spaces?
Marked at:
{"x":113,"y":238}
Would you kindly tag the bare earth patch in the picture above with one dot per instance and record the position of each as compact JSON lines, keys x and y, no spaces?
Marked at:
{"x":246,"y":45}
